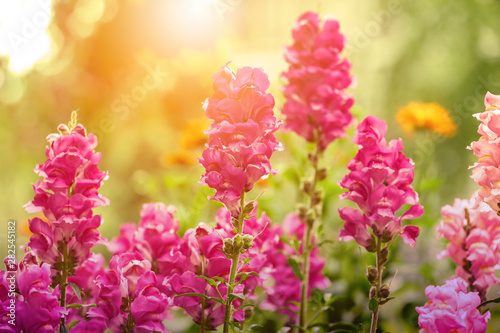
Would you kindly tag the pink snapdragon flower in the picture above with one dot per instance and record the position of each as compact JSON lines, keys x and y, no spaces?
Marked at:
{"x":473,"y":231}
{"x":155,"y":238}
{"x":380,"y":184}
{"x":486,"y":171}
{"x":67,"y":195}
{"x":281,"y":285}
{"x":452,"y":309}
{"x":241,"y":138}
{"x":317,"y":106}
{"x":39,"y":309}
{"x":202,"y":250}
{"x":128,"y":293}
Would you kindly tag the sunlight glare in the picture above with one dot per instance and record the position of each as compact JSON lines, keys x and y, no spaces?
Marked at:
{"x":23,"y":36}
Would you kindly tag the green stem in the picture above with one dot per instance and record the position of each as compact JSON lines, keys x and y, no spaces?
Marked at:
{"x":63,"y":284}
{"x":234,"y":266}
{"x":203,"y":300}
{"x":380,"y":268}
{"x":310,"y":224}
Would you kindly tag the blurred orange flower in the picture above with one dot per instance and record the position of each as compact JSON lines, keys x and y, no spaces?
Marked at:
{"x":426,"y":116}
{"x":181,"y":157}
{"x":193,"y":136}
{"x":24,"y":226}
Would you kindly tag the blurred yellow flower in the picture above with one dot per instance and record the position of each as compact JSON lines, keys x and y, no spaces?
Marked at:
{"x":193,"y":136}
{"x":426,"y":116}
{"x":181,"y":157}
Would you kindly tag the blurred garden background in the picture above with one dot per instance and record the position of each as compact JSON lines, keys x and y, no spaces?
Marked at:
{"x":138,"y":71}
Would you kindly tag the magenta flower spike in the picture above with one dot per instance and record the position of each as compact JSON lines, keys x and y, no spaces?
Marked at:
{"x":241,"y":137}
{"x":62,"y":241}
{"x":317,"y":106}
{"x":241,"y":142}
{"x":379,"y":183}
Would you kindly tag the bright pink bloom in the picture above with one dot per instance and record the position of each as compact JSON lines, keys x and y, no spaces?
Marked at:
{"x":473,"y":231}
{"x":67,"y":195}
{"x":317,"y":106}
{"x":486,"y":171}
{"x":452,"y":309}
{"x":155,"y":238}
{"x":129,"y":287}
{"x":282,"y":286}
{"x":380,"y":184}
{"x":241,"y":138}
{"x":39,"y":310}
{"x":202,"y":251}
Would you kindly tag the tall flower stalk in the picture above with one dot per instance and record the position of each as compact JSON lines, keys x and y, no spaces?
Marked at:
{"x":241,"y":141}
{"x":316,"y":108}
{"x":379,"y":183}
{"x":66,"y":197}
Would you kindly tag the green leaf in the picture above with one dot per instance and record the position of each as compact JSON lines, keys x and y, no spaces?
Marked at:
{"x":254,"y":328}
{"x":295,"y":267}
{"x":373,"y":305}
{"x":210,"y":281}
{"x":73,"y":324}
{"x":238,"y":295}
{"x":76,"y":290}
{"x":220,"y":300}
{"x":245,"y":261}
{"x":245,"y":275}
{"x":330,"y":300}
{"x":317,"y":297}
{"x":245,"y":306}
{"x":79,"y":306}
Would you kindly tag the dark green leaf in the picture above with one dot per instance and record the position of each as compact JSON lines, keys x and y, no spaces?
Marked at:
{"x":295,"y":267}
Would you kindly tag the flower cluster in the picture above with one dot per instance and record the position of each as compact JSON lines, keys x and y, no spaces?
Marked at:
{"x":38,"y":308}
{"x":426,"y":116}
{"x":207,"y":266}
{"x":486,"y":171}
{"x":452,"y":309}
{"x":317,"y":106}
{"x":241,"y":138}
{"x":380,"y":184}
{"x":129,"y":296}
{"x":155,"y":238}
{"x":66,"y":196}
{"x":282,"y":285}
{"x":473,"y":232}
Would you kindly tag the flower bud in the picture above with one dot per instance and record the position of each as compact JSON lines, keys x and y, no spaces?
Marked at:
{"x":247,"y":242}
{"x":373,"y":292}
{"x":372,"y":274}
{"x":306,"y":186}
{"x":321,"y":174}
{"x":237,"y":241}
{"x":228,"y":247}
{"x":249,"y":208}
{"x":384,"y":255}
{"x":384,"y":291}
